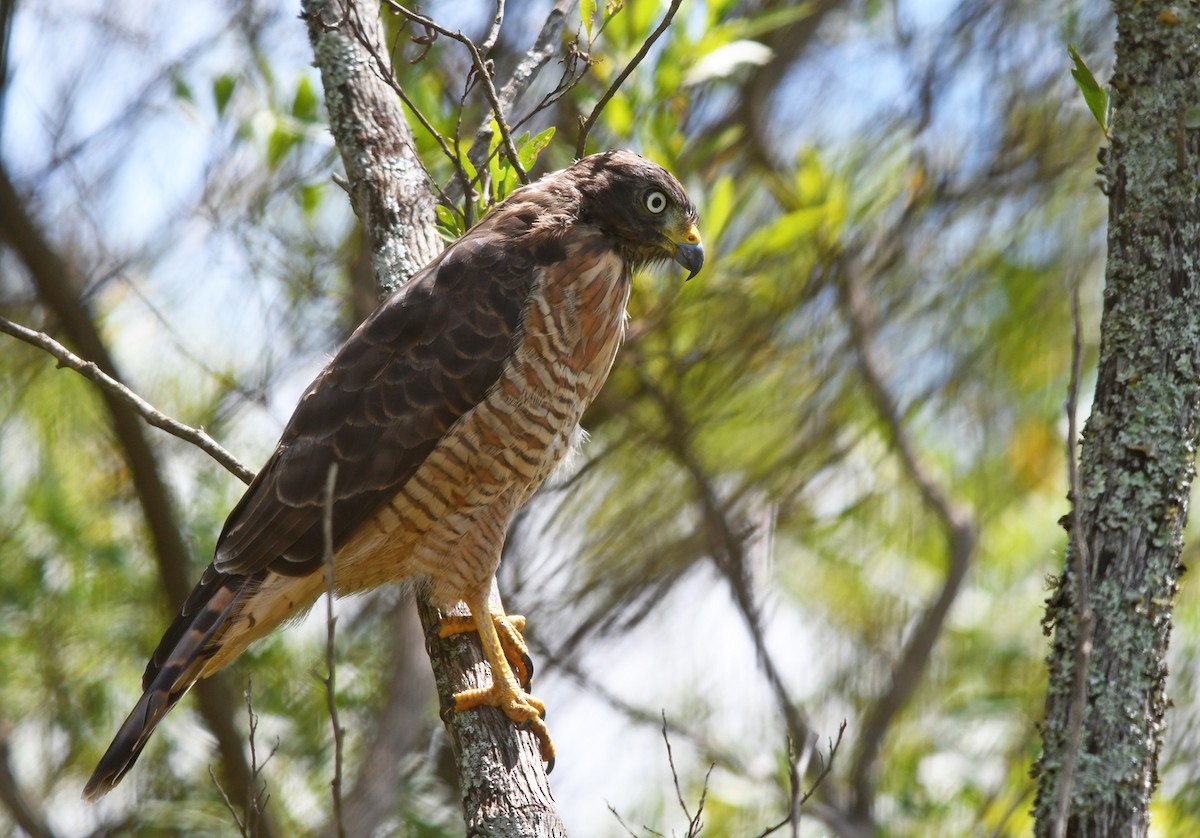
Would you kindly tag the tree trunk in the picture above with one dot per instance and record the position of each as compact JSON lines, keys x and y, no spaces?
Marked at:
{"x":1111,"y":610}
{"x":504,"y":786}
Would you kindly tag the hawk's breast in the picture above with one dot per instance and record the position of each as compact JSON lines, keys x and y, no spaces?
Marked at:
{"x":449,"y":521}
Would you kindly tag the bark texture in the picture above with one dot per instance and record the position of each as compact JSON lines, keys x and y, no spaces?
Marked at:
{"x":504,"y":786}
{"x":389,"y":187}
{"x":1137,"y":459}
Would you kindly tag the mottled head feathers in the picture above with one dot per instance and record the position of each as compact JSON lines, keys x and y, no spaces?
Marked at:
{"x":637,"y":203}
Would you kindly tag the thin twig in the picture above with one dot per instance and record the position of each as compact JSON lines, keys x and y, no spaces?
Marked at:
{"x":694,"y":823}
{"x":66,"y":358}
{"x":796,"y":801}
{"x":536,"y":57}
{"x":586,"y":127}
{"x":241,"y":825}
{"x":493,"y":34}
{"x":256,"y":803}
{"x":485,"y":79}
{"x":674,"y":773}
{"x":620,"y":820}
{"x":384,"y":72}
{"x":1082,"y":574}
{"x":329,"y":680}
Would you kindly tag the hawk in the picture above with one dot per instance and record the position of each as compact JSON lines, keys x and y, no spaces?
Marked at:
{"x":443,"y":413}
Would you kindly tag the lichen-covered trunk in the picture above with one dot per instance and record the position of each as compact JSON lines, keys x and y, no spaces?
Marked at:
{"x":1102,"y":736}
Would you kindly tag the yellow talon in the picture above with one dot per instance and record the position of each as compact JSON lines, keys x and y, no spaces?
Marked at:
{"x":512,"y":669}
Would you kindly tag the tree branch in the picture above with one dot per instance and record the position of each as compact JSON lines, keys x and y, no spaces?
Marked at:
{"x":589,"y":123}
{"x":389,"y":188}
{"x":89,"y":370}
{"x":544,"y":47}
{"x":1083,"y":587}
{"x":329,"y":680}
{"x":484,"y":76}
{"x":28,"y":819}
{"x":958,"y":520}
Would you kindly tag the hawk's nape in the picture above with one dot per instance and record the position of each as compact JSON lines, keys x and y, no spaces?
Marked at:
{"x":444,"y":412}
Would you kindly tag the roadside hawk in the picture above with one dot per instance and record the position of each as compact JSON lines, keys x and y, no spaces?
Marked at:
{"x":443,"y":412}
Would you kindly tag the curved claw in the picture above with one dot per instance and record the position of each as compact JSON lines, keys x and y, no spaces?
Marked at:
{"x":527,"y":662}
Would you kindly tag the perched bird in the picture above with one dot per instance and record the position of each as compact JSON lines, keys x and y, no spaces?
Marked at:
{"x":443,"y":413}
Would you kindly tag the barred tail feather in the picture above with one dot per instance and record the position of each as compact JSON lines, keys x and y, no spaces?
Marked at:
{"x":180,"y":659}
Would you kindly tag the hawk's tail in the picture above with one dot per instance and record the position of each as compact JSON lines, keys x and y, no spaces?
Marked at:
{"x":177,"y":663}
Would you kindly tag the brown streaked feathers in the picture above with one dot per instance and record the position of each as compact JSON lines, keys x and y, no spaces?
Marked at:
{"x":444,"y":411}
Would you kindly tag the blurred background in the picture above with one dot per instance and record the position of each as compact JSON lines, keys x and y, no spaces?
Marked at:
{"x":823,"y":481}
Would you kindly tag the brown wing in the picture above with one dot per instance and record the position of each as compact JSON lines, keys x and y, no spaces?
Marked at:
{"x":425,"y":358}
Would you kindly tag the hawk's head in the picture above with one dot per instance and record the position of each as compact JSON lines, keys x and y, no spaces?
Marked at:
{"x":640,"y":205}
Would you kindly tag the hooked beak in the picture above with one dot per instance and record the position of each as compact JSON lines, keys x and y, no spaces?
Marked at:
{"x":690,"y":252}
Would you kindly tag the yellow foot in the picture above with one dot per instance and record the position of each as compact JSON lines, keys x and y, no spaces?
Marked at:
{"x":508,"y":628}
{"x":518,"y":705}
{"x":512,"y":669}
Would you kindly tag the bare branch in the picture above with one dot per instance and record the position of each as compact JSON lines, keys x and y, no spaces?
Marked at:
{"x":390,"y":187}
{"x":796,"y":801}
{"x":587,"y":125}
{"x":57,"y":284}
{"x":229,"y":807}
{"x":620,"y":820}
{"x":483,"y":73}
{"x":957,"y":519}
{"x":674,"y":773}
{"x":544,"y":47}
{"x":256,"y":796}
{"x":27,"y":819}
{"x":329,"y":680}
{"x":1082,"y":564}
{"x":250,"y":824}
{"x":92,"y":372}
{"x":383,"y":69}
{"x":494,"y":33}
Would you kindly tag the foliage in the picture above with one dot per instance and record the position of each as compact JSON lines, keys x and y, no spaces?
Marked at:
{"x":960,"y":198}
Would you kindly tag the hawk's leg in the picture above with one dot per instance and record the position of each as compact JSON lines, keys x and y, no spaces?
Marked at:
{"x":509,"y":628}
{"x":501,"y":638}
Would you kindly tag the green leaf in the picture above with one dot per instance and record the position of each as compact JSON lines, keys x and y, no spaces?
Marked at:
{"x":180,"y":87}
{"x":587,"y":10}
{"x":223,"y":90}
{"x":718,"y":208}
{"x":528,"y":153}
{"x":1093,"y":93}
{"x":283,"y":137}
{"x":450,"y":223}
{"x":304,"y":104}
{"x":310,"y":197}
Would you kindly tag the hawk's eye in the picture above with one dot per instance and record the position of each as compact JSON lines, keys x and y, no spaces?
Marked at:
{"x":655,"y":201}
